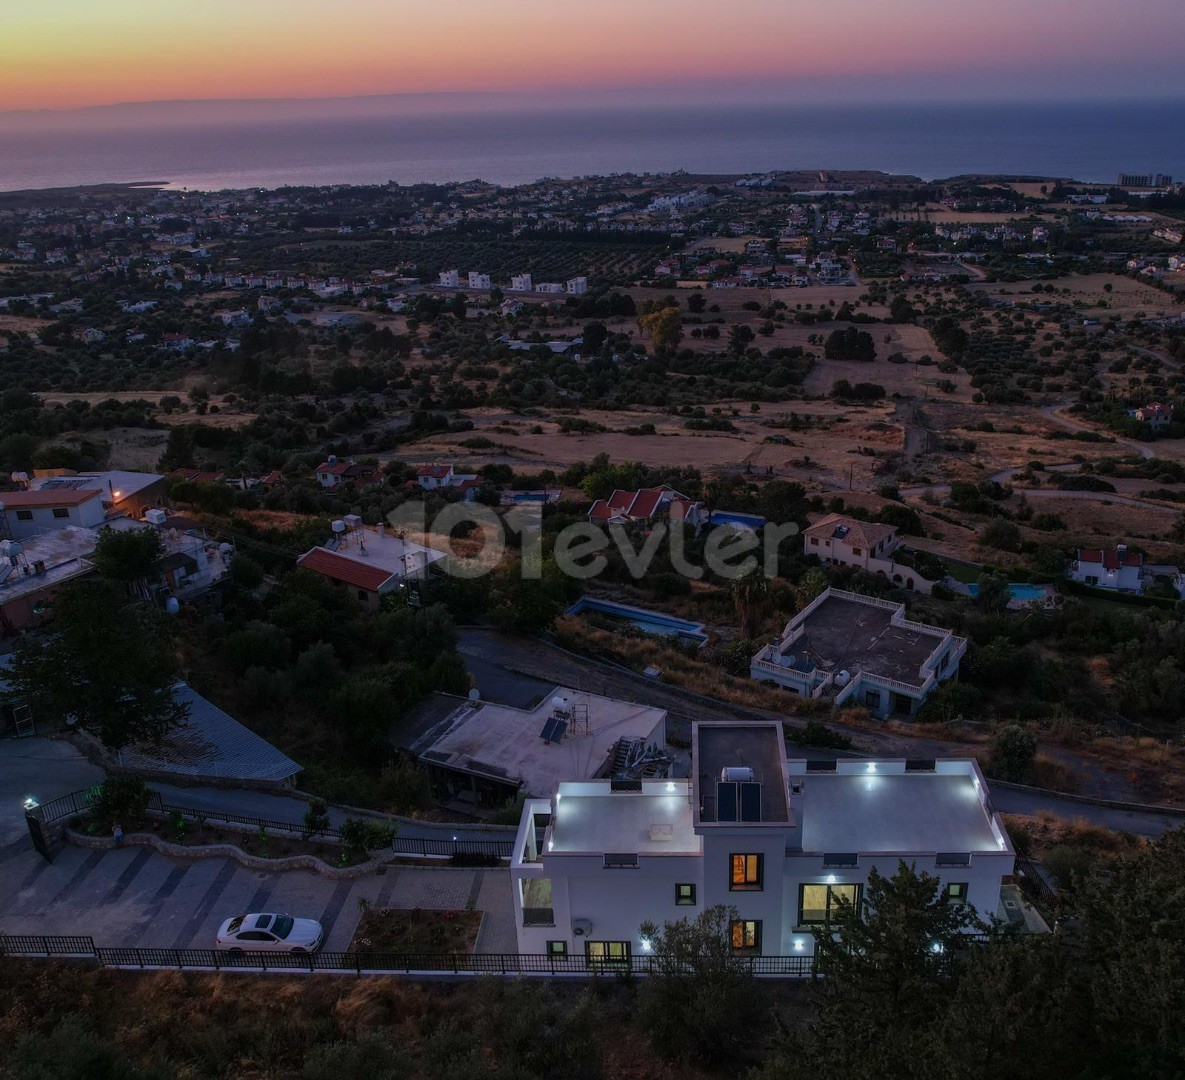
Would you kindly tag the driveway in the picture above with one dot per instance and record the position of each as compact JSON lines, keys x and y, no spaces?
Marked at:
{"x":135,"y":896}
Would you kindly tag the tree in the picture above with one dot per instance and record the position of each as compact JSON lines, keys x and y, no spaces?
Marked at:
{"x":1013,"y":750}
{"x":696,"y":302}
{"x":1002,"y":535}
{"x":108,"y":664}
{"x":664,"y":326}
{"x":886,"y":972}
{"x":594,"y":336}
{"x":129,"y":557}
{"x":740,"y":336}
{"x":994,"y":592}
{"x":749,"y":593}
{"x":810,"y":586}
{"x":700,"y":1001}
{"x":850,"y":344}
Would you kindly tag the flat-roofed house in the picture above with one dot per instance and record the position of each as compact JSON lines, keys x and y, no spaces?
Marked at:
{"x":848,"y":648}
{"x":784,"y":842}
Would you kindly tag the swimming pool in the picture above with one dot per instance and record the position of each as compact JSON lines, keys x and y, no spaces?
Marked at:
{"x":739,"y":521}
{"x":653,"y":622}
{"x":1022,"y":592}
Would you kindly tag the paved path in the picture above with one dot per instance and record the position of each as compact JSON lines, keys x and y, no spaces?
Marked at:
{"x":1008,"y":801}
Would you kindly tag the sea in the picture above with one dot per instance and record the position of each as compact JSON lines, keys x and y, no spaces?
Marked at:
{"x":1085,"y":141}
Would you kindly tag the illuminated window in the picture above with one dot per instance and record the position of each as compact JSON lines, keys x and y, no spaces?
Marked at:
{"x":557,"y":950}
{"x":745,"y":935}
{"x":685,"y":894}
{"x":607,"y":952}
{"x":745,"y":875}
{"x":955,"y":892}
{"x":820,"y":904}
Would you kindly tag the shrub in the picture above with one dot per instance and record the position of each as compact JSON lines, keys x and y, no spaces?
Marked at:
{"x":360,"y":836}
{"x":118,"y":799}
{"x":316,"y":819}
{"x":1013,"y":750}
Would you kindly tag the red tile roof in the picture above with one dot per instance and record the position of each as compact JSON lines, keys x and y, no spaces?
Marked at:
{"x":58,"y":497}
{"x":868,"y":533}
{"x":434,"y":472}
{"x":340,"y":568}
{"x":337,"y":468}
{"x":646,"y":502}
{"x":620,"y":500}
{"x":1110,"y":560}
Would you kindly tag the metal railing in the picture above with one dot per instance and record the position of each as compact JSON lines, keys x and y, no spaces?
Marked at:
{"x":40,"y":946}
{"x":68,"y":805}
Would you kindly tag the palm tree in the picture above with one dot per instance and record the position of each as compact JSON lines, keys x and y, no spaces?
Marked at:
{"x":749,"y":593}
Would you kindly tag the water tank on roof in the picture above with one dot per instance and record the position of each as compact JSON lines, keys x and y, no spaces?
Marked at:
{"x":338,"y":526}
{"x":155,"y":516}
{"x":172,"y":605}
{"x":11,"y":548}
{"x":843,"y":678}
{"x":353,"y":521}
{"x":736,"y":774}
{"x":332,"y":459}
{"x":225,"y":549}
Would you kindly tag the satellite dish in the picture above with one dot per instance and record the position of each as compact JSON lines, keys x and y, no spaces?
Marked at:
{"x":475,"y":695}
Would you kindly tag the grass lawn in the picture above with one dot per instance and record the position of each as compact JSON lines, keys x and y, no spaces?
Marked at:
{"x":415,"y":930}
{"x":961,"y":571}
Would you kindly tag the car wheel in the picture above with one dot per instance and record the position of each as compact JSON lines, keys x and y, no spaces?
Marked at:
{"x":298,"y":949}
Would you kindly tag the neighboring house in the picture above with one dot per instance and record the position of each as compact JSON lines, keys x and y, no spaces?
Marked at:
{"x":368,"y":562}
{"x":198,"y":476}
{"x":482,"y":753}
{"x":32,"y":570}
{"x":576,"y":286}
{"x":449,"y":279}
{"x":521,"y":283}
{"x":849,"y":648}
{"x":1155,"y":415}
{"x":867,"y":545}
{"x":479,"y":281}
{"x":436,"y":477}
{"x":332,"y":473}
{"x":783,"y":842}
{"x":646,"y":505}
{"x":25,"y":514}
{"x":123,"y":492}
{"x":1120,"y":569}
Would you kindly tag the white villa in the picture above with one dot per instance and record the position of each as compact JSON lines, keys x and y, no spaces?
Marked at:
{"x":1121,"y":570}
{"x":839,"y":540}
{"x":783,"y":842}
{"x":849,"y":648}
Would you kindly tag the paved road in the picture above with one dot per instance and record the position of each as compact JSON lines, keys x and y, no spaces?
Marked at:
{"x":1008,"y":801}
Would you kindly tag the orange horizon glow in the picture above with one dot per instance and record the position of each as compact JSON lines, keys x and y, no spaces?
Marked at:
{"x":78,"y":53}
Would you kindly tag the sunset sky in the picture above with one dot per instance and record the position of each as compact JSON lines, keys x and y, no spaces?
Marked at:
{"x":63,"y":54}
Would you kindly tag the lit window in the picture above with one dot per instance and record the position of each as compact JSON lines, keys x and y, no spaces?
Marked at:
{"x":685,"y":895}
{"x":819,"y":904}
{"x":955,"y":892}
{"x":745,"y":874}
{"x":745,"y":935}
{"x":557,"y":950}
{"x":607,"y":952}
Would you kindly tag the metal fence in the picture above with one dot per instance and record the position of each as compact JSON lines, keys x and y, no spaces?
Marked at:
{"x":79,"y":802}
{"x":41,"y":946}
{"x":1035,"y":883}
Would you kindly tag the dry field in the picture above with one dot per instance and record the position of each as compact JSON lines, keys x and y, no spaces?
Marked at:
{"x":1127,"y":297}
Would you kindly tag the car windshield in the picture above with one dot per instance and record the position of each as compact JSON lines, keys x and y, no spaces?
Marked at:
{"x":283,"y":926}
{"x":234,"y":925}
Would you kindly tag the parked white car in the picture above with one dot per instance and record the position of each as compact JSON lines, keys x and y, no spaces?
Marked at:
{"x":269,"y":933}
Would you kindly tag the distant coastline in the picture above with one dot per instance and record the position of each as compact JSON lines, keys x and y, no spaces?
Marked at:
{"x":1089,"y":141}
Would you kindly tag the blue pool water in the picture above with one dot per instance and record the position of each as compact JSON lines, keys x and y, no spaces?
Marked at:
{"x":741,"y":521}
{"x":1020,"y":591}
{"x":653,"y":622}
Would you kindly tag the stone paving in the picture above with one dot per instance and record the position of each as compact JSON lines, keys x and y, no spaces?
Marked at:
{"x":134,"y":896}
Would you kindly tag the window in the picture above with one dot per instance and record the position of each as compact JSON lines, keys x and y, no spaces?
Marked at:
{"x":820,"y":904}
{"x":745,"y":875}
{"x":607,"y":952}
{"x":745,"y":935}
{"x":620,"y":861}
{"x":24,"y":515}
{"x":955,"y":892}
{"x":557,"y":950}
{"x":363,"y":595}
{"x":815,"y":541}
{"x":685,"y":894}
{"x":60,"y":512}
{"x":857,"y":551}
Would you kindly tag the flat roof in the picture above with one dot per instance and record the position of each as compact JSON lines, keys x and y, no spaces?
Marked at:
{"x":621,"y":822}
{"x":760,"y":746}
{"x":385,"y":552}
{"x":506,"y":744}
{"x":66,"y":496}
{"x":64,"y":552}
{"x":842,"y":634}
{"x":903,"y":813}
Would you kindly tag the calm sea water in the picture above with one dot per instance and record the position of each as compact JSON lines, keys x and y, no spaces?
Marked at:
{"x":1088,"y":142}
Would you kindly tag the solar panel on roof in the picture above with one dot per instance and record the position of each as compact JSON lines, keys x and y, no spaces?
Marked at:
{"x":548,"y":732}
{"x":560,"y":727}
{"x":726,"y":801}
{"x":750,"y":801}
